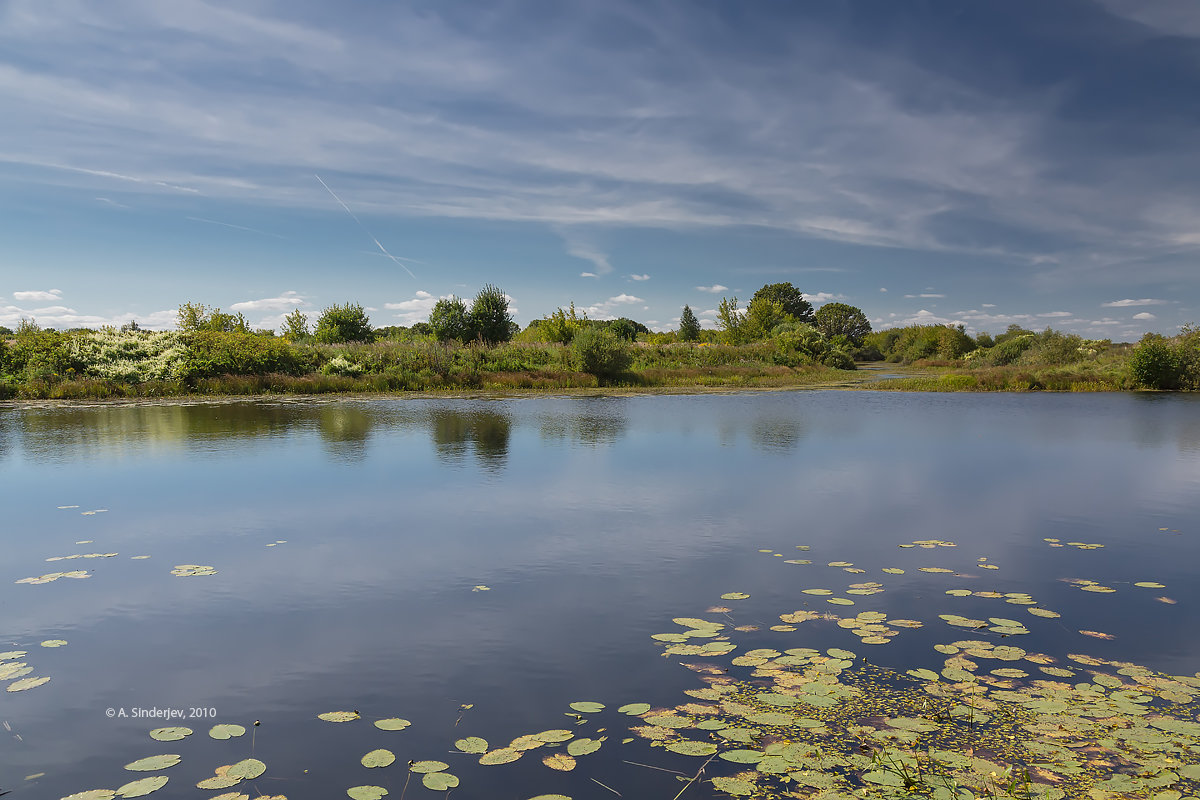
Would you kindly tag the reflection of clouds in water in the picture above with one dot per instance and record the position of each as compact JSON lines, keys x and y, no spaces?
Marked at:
{"x":776,"y":434}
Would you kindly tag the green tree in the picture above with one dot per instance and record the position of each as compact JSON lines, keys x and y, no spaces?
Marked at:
{"x":689,"y":326}
{"x":762,"y":316}
{"x":732,"y":321}
{"x":789,"y":297}
{"x":295,"y":326}
{"x":600,"y":352}
{"x":348,"y":323}
{"x":194,"y":317}
{"x":839,"y":319}
{"x":625,"y":329}
{"x":1155,"y":364}
{"x":449,"y":320}
{"x":490,"y":320}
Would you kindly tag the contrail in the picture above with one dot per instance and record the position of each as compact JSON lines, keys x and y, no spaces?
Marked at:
{"x":238,"y":227}
{"x":364,"y":227}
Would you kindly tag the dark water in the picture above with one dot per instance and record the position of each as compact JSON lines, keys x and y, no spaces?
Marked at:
{"x":594,"y":521}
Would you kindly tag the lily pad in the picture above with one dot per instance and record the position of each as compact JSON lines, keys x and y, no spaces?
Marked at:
{"x":366,"y":792}
{"x":587,"y":707}
{"x":582,"y":747}
{"x":735,"y":596}
{"x":503,"y":755}
{"x":439,"y":781}
{"x":391,"y":724}
{"x":172,"y":734}
{"x":153,"y":763}
{"x":690,"y":748}
{"x":560,"y":761}
{"x":339,"y":716}
{"x":248,"y":769}
{"x":381,"y":758}
{"x":54,"y":643}
{"x":226,"y":731}
{"x":634,"y":709}
{"x":26,"y":683}
{"x":143,"y":787}
{"x":472,"y":744}
{"x":426,"y":766}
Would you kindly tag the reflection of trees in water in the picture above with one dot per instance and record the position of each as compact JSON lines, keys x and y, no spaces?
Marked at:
{"x":52,"y":434}
{"x":7,"y":423}
{"x":345,"y":431}
{"x":776,"y":433}
{"x":596,"y":421}
{"x":486,"y":431}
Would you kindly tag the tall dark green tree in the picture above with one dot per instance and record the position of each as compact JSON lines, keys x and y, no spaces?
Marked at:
{"x":490,"y":319}
{"x":348,"y":323}
{"x":689,"y":326}
{"x":789,"y":297}
{"x":839,"y":319}
{"x":449,"y":320}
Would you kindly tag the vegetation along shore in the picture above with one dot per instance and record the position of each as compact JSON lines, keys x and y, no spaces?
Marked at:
{"x":777,"y":340}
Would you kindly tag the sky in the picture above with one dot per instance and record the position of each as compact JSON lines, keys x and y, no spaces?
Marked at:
{"x":987,"y":163}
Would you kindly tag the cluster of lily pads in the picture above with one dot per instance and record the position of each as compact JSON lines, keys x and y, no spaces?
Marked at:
{"x":983,"y":718}
{"x":13,"y":668}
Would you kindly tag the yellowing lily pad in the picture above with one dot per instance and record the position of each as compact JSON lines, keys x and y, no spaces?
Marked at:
{"x":560,"y":761}
{"x":503,"y":755}
{"x":690,"y":748}
{"x":735,"y":596}
{"x":26,"y":683}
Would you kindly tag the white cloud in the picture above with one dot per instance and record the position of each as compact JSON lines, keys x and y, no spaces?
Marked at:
{"x":882,"y":289}
{"x":285,"y":302}
{"x":716,"y":288}
{"x":640,"y":277}
{"x":415,"y":309}
{"x":1055,"y":314}
{"x":1106,"y":321}
{"x":62,"y":318}
{"x":926,"y":296}
{"x":822,"y":297}
{"x":587,"y":275}
{"x":1144,"y":315}
{"x":52,"y":294}
{"x":989,"y":305}
{"x":1145,"y":301}
{"x":625,"y":298}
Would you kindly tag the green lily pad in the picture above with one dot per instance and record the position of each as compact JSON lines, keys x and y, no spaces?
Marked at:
{"x":587,"y":707}
{"x":690,"y":748}
{"x":737,"y":787}
{"x":173,"y":734}
{"x":439,"y":781}
{"x":472,"y":744}
{"x":92,"y":794}
{"x":248,"y":769}
{"x":143,"y":787}
{"x":743,"y":756}
{"x":634,"y":709}
{"x":153,"y":763}
{"x":226,"y":731}
{"x":366,"y":792}
{"x":582,"y":747}
{"x":554,"y":736}
{"x":427,"y":766}
{"x":735,"y":596}
{"x":26,"y":683}
{"x":391,"y":724}
{"x":55,"y":643}
{"x":338,"y":716}
{"x":382,"y":758}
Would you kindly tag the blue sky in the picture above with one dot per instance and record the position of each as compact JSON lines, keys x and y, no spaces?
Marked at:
{"x":987,"y":162}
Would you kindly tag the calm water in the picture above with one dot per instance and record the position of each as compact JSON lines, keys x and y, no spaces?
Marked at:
{"x":594,"y":521}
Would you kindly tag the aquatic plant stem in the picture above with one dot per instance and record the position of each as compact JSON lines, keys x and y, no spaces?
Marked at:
{"x":699,"y":772}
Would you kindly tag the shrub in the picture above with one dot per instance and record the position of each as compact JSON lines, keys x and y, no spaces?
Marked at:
{"x":600,"y":352}
{"x":130,"y":355}
{"x":838,"y":359}
{"x":212,"y":353}
{"x":1155,"y":364}
{"x":339,"y":324}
